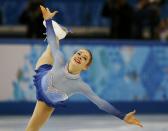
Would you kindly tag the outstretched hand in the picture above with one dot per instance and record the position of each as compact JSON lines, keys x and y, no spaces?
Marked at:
{"x":46,"y":13}
{"x":130,"y":119}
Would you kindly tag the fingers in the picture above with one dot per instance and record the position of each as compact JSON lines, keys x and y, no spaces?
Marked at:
{"x":42,"y":8}
{"x":135,"y":119}
{"x":48,"y":10}
{"x":138,"y":124}
{"x":135,"y":122}
{"x":53,"y":14}
{"x":131,"y":119}
{"x":133,"y":112}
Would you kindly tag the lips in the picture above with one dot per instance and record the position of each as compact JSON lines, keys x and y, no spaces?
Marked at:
{"x":77,"y":61}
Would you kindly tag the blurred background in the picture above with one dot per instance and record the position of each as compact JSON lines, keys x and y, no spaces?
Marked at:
{"x":128,"y":39}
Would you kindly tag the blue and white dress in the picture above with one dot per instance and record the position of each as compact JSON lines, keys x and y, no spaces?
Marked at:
{"x":55,"y":84}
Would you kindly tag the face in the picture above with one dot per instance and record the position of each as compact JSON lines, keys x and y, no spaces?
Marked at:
{"x":80,"y":59}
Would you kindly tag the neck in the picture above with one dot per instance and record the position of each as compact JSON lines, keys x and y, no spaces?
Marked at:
{"x":73,"y":70}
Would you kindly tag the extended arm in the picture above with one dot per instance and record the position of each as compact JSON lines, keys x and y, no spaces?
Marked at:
{"x":102,"y":104}
{"x":51,"y":36}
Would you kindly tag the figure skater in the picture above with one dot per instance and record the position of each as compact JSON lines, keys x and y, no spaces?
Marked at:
{"x":56,"y":82}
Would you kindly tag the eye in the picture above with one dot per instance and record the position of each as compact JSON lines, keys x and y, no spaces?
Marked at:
{"x":84,"y":58}
{"x":79,"y":53}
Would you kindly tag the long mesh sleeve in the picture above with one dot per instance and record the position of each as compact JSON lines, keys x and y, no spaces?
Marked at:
{"x":54,"y":44}
{"x":102,"y":104}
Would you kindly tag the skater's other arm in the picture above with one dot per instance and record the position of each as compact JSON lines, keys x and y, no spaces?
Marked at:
{"x":104,"y":105}
{"x":51,"y":36}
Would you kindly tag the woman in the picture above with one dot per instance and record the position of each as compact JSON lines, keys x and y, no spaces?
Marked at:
{"x":56,"y":82}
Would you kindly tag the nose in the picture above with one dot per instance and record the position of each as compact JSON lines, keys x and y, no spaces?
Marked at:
{"x":79,"y":58}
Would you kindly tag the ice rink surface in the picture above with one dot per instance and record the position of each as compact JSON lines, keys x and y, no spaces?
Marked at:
{"x":87,"y":123}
